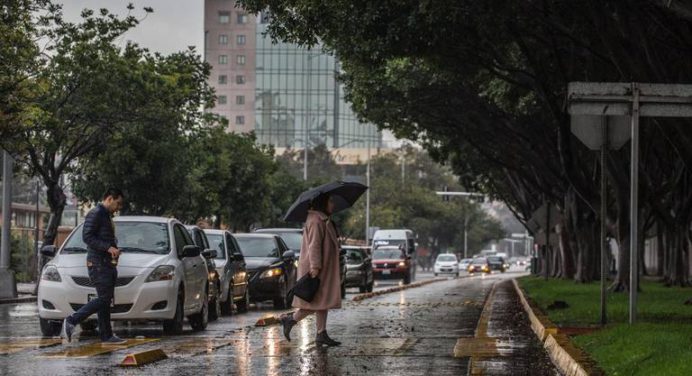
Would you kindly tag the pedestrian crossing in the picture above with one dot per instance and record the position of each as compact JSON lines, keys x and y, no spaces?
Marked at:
{"x":94,"y":348}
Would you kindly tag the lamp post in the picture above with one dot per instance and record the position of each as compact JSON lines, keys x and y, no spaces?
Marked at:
{"x":367,"y":198}
{"x":466,"y":219}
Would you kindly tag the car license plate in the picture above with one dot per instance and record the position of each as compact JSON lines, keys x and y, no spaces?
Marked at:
{"x":386,"y":272}
{"x":91,"y":297}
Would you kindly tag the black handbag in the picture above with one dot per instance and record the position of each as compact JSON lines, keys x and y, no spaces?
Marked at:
{"x":305,"y":288}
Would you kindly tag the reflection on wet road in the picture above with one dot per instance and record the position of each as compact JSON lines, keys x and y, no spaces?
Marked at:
{"x":412,"y":332}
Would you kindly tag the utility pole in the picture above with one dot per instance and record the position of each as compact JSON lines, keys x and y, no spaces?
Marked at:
{"x":8,"y":286}
{"x":367,"y":199}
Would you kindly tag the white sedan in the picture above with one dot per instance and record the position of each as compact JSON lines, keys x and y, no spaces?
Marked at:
{"x":446,"y":263}
{"x":161,"y":276}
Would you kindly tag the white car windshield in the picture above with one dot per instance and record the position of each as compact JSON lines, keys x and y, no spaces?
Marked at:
{"x":216,"y":243}
{"x":257,"y":246}
{"x":136,"y":237}
{"x":446,"y":258}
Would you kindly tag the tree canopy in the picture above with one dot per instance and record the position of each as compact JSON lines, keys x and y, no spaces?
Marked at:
{"x":483,"y":84}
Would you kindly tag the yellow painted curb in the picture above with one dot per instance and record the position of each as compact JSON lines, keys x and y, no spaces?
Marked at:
{"x":373,"y":294}
{"x":268,"y":320}
{"x":569,"y":359}
{"x":142,"y":358}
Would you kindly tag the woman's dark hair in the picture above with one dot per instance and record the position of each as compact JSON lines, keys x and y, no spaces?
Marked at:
{"x":320,"y":203}
{"x":113,"y":192}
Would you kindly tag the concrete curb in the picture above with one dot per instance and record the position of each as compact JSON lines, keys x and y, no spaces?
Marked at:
{"x":373,"y":294}
{"x":28,"y":299}
{"x":569,"y":359}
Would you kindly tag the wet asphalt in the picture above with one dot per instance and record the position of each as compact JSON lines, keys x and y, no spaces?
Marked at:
{"x":412,"y":332}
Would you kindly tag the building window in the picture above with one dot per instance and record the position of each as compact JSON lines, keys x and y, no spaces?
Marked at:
{"x":240,"y":40}
{"x":242,"y":18}
{"x":240,"y":59}
{"x":240,"y":120}
{"x":223,"y":99}
{"x":239,"y":79}
{"x":240,"y":99}
{"x":224,"y":17}
{"x":223,"y":59}
{"x":223,"y":79}
{"x":223,"y":39}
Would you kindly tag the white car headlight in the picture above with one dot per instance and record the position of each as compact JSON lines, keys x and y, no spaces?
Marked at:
{"x":50,"y":273}
{"x":273,"y":272}
{"x":162,"y":273}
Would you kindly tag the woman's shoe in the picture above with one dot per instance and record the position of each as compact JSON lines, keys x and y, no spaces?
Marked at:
{"x":323,"y":339}
{"x":288,"y":323}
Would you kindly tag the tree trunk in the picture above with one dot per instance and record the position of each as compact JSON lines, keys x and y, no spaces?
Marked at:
{"x":659,"y":249}
{"x":56,"y":202}
{"x":566,"y":252}
{"x":622,"y":279}
{"x":679,"y":259}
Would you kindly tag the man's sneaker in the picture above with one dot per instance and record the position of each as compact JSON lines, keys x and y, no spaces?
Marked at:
{"x":114,"y":340}
{"x":67,"y":330}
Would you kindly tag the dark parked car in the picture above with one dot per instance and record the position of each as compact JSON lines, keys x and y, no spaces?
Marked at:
{"x":200,"y":240}
{"x":391,"y":262}
{"x":232,"y":270}
{"x":497,"y":263}
{"x":359,"y":268}
{"x":271,"y":267}
{"x":293,"y":237}
{"x":479,"y":265}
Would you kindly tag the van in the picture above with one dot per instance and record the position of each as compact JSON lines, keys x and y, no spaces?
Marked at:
{"x":404,"y":238}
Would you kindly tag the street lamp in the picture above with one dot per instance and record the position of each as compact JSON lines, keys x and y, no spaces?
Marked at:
{"x":466,"y":218}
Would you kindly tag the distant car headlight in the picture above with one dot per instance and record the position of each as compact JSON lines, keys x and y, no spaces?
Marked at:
{"x":50,"y":273}
{"x":162,"y":273}
{"x":270,"y":273}
{"x":402,"y":263}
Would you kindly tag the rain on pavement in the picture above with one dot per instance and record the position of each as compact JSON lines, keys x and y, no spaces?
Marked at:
{"x":412,"y":332}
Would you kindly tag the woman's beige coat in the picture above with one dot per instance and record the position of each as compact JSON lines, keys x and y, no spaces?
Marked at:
{"x":320,"y":249}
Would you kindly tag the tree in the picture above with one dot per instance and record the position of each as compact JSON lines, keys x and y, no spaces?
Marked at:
{"x":483,"y":84}
{"x":90,"y":90}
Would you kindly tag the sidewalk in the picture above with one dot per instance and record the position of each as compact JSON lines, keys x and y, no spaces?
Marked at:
{"x":25,"y":294}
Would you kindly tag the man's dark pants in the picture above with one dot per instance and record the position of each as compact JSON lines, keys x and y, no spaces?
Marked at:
{"x":103,"y":275}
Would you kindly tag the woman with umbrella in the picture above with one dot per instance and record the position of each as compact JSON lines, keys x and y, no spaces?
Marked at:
{"x":319,"y":253}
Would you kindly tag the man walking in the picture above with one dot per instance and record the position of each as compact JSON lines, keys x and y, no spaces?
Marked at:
{"x":99,"y":235}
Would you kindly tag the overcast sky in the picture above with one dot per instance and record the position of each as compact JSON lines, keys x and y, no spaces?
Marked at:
{"x":174,"y":25}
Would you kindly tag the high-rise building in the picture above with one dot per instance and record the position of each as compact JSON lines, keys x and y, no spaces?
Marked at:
{"x":287,"y":94}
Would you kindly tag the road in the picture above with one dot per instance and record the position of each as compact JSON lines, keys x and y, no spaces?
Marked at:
{"x":412,"y":332}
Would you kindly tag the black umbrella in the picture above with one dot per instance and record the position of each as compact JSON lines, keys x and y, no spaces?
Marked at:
{"x":344,"y":195}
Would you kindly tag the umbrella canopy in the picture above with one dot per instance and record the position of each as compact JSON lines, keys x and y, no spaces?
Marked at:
{"x":344,"y":195}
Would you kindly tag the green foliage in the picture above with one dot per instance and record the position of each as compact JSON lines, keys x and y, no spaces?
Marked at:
{"x":413,"y":204}
{"x":22,"y":256}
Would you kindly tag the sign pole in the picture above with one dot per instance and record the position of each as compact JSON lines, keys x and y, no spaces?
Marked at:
{"x":604,"y":213}
{"x":634,"y":206}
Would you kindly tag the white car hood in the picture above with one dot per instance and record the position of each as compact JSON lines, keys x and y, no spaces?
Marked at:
{"x":130,"y":260}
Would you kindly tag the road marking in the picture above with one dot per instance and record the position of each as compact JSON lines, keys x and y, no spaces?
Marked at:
{"x":15,"y":346}
{"x":197,"y":346}
{"x":95,"y":348}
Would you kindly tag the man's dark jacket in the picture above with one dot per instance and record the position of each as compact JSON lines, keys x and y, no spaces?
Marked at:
{"x":99,"y":234}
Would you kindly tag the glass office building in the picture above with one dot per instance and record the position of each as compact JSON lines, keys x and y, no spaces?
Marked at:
{"x":285,"y":93}
{"x":299,"y":98}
